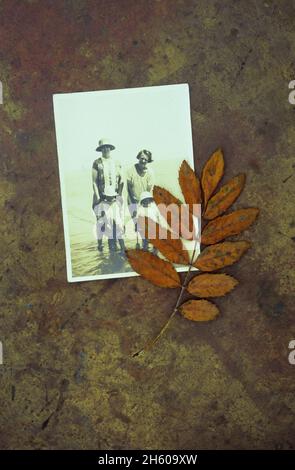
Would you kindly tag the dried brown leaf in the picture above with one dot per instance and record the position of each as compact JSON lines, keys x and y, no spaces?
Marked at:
{"x":211,"y":285}
{"x":190,"y":185}
{"x":212,"y":174}
{"x":199,"y":310}
{"x":171,"y":248}
{"x":225,"y":197}
{"x":220,"y":255}
{"x":159,"y":272}
{"x":228,"y":225}
{"x":163,"y":199}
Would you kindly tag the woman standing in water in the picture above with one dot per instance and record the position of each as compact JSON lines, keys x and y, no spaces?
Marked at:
{"x":107,"y":193}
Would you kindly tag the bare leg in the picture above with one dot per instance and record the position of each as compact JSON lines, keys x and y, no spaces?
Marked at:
{"x":112,"y":245}
{"x":122,"y":246}
{"x":145,"y":244}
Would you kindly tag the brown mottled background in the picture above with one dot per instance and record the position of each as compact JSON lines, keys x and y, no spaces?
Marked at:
{"x":73,"y":382}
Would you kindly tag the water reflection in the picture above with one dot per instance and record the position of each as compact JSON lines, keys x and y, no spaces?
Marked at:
{"x":88,"y":261}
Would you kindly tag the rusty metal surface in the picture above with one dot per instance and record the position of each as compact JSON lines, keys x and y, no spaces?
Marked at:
{"x":74,"y":385}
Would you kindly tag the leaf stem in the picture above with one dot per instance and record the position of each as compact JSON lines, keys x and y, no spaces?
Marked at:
{"x":150,"y":343}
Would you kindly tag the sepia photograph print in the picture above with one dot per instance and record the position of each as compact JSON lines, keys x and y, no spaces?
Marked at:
{"x":114,"y":147}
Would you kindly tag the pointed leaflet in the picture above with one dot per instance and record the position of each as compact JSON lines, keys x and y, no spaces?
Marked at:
{"x":171,"y":248}
{"x":220,"y":255}
{"x":228,"y":225}
{"x":211,"y":285}
{"x":225,"y":197}
{"x":190,"y":186}
{"x":173,"y":211}
{"x":159,"y":272}
{"x":212,"y":174}
{"x":199,"y":310}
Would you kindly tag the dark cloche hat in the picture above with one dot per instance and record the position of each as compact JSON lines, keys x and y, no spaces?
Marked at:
{"x":147,"y":153}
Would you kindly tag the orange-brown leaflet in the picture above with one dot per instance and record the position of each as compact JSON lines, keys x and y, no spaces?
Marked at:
{"x":228,"y":225}
{"x":225,"y":197}
{"x":220,"y":255}
{"x":212,"y":174}
{"x":190,"y":185}
{"x":180,"y":221}
{"x":159,"y":272}
{"x":199,"y":310}
{"x":211,"y":285}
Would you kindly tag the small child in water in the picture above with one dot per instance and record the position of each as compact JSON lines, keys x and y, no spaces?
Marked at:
{"x":148,"y":208}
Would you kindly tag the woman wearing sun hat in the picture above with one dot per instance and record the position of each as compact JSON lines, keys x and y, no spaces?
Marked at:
{"x":108,"y":184}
